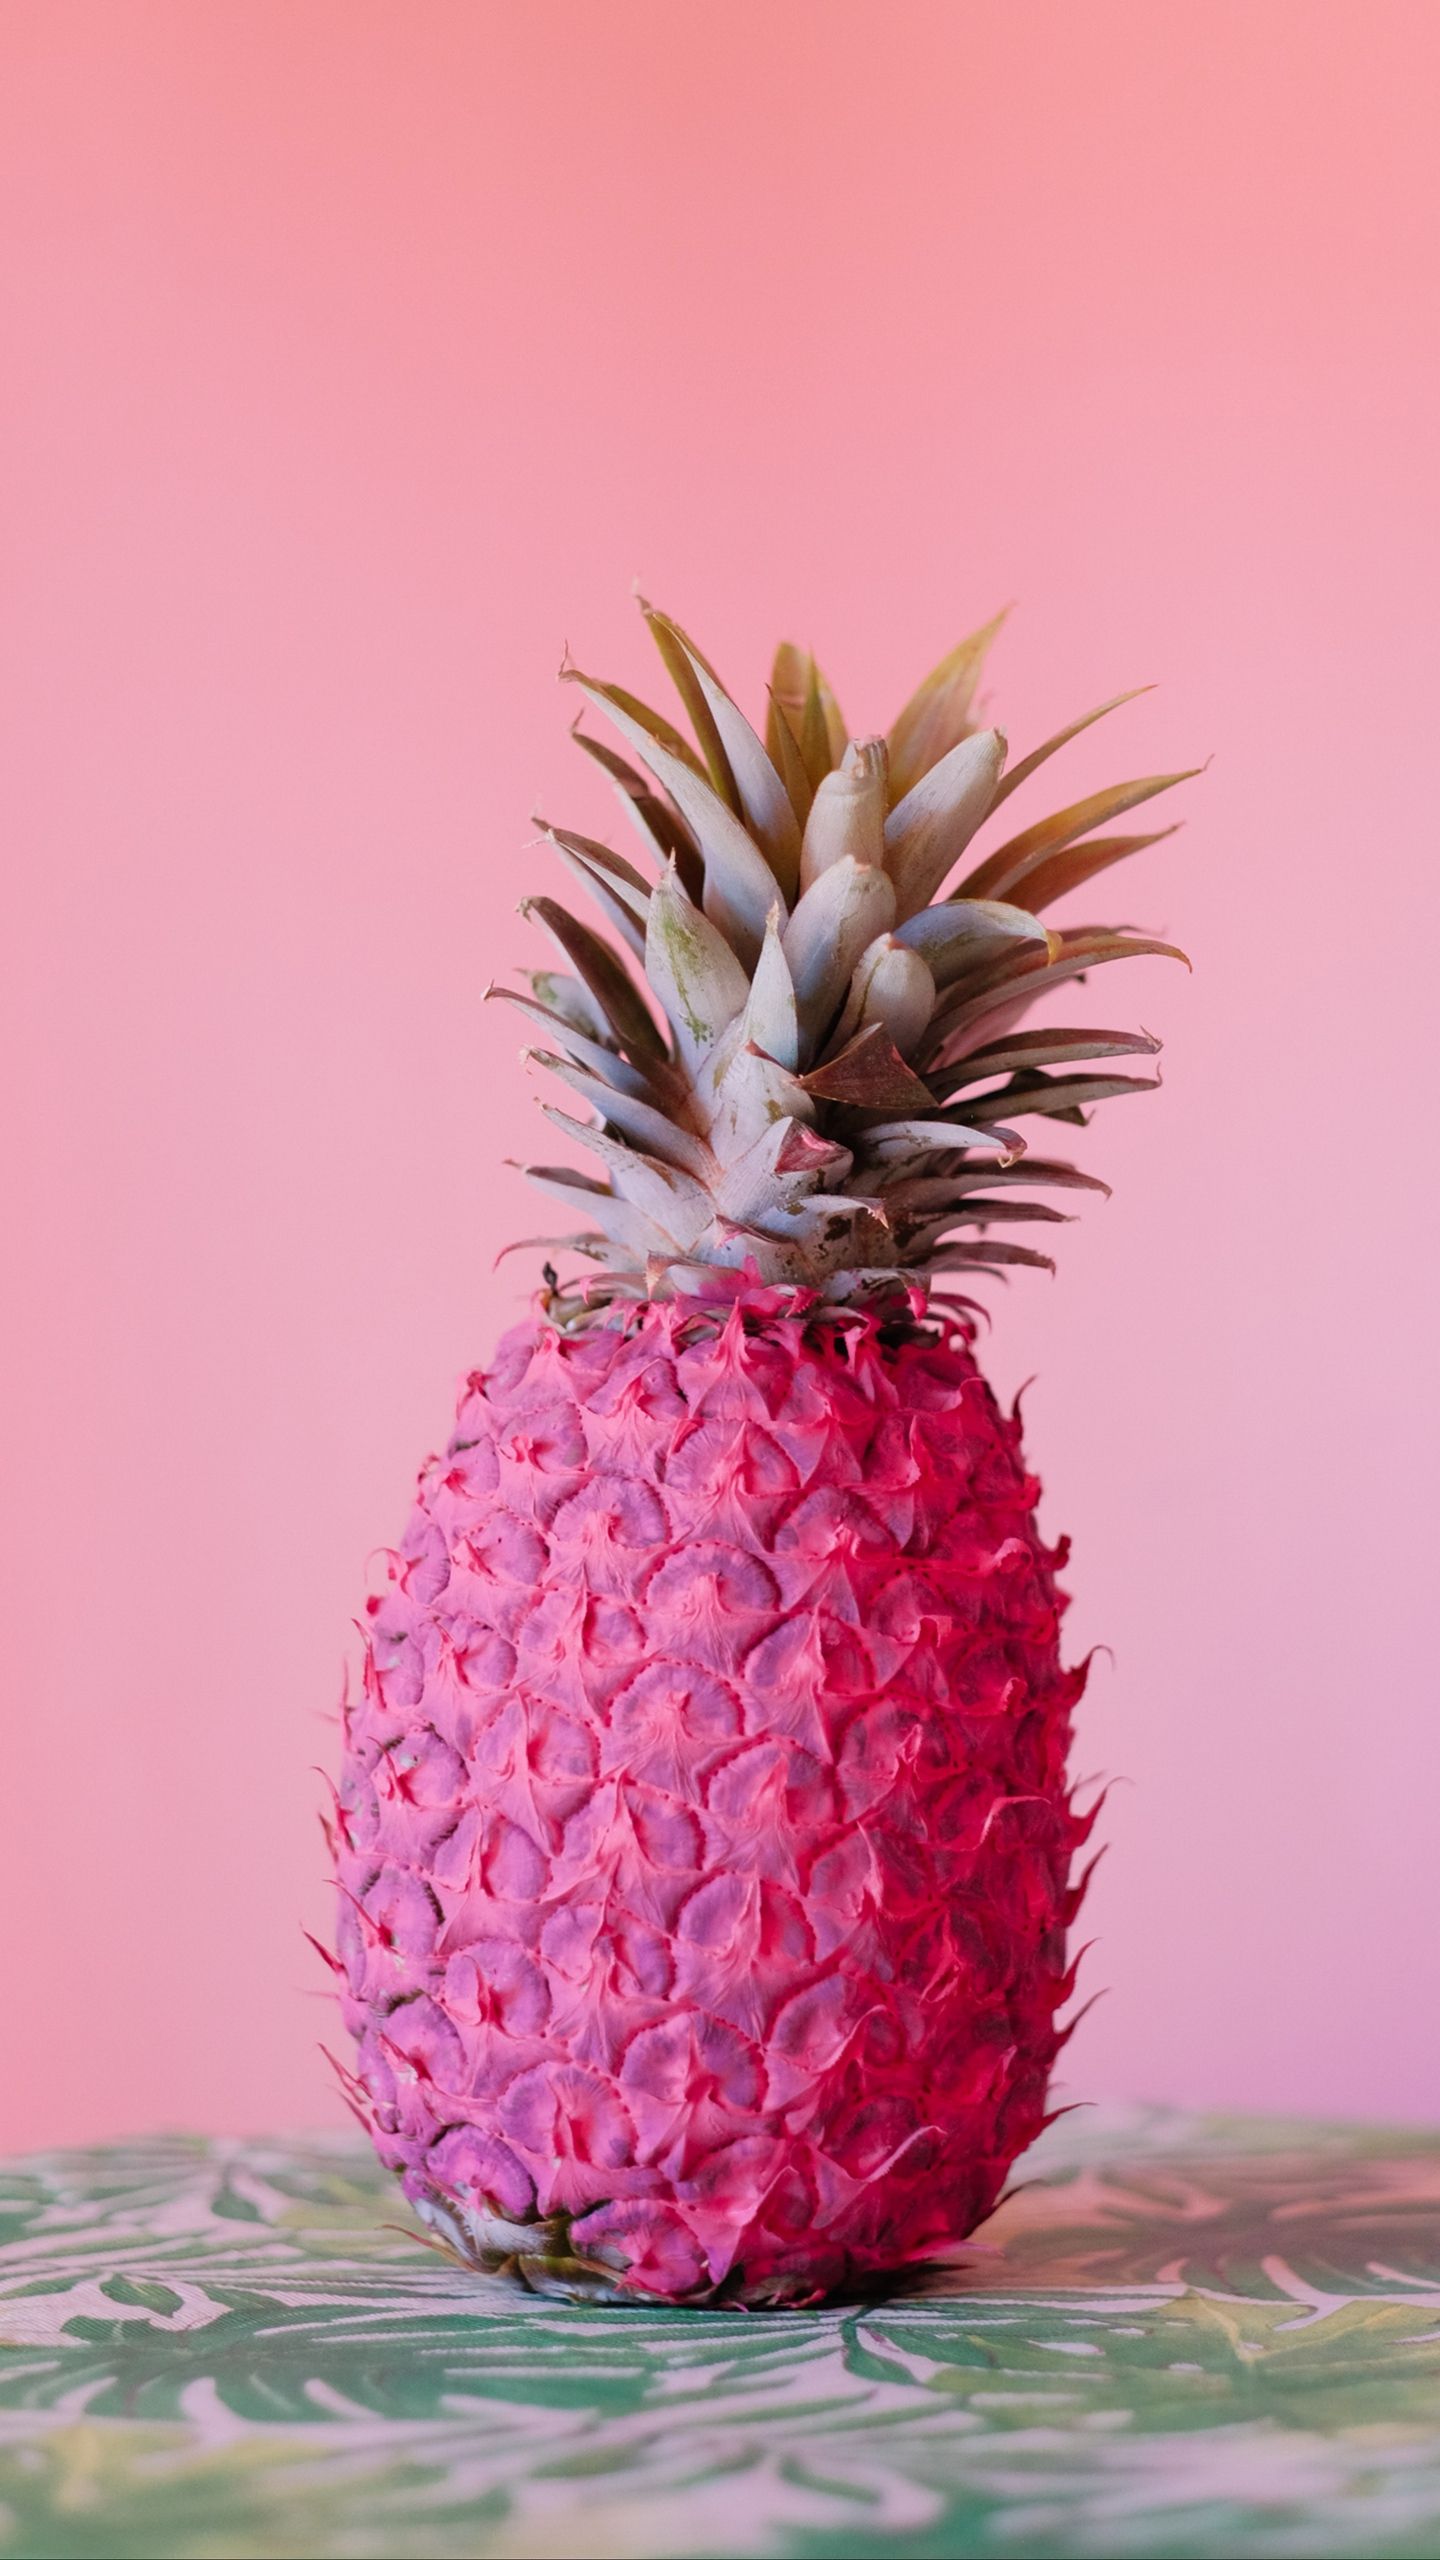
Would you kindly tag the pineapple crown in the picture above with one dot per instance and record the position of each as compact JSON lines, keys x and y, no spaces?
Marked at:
{"x":810,"y":1075}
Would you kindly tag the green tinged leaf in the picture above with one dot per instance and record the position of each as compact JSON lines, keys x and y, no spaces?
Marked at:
{"x":699,"y":982}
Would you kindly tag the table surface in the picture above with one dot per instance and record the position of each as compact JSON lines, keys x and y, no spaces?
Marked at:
{"x":1182,"y":2337}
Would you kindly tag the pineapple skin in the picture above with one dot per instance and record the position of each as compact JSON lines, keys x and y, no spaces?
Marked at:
{"x":703,"y":1840}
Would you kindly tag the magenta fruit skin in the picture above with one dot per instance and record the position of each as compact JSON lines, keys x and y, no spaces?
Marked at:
{"x":704,"y":1841}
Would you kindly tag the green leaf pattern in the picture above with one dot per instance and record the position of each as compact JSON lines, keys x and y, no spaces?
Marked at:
{"x":1180,"y":2338}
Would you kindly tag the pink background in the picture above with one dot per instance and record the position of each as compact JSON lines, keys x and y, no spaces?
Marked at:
{"x":358,"y":357}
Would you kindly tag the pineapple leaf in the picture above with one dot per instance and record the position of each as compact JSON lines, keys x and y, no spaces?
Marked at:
{"x":661,"y":1191}
{"x":1056,"y":873}
{"x":613,"y":698}
{"x":683,"y":664}
{"x":813,"y":736}
{"x":763,"y":800}
{"x":968,"y":934}
{"x":836,"y":734}
{"x":927,"y":831}
{"x":1054,"y":1096}
{"x":579,"y":1045}
{"x":937,"y":715}
{"x":963,"y":1006}
{"x":660,"y":828}
{"x":920,"y":1136}
{"x":613,"y":883}
{"x":636,"y":1119}
{"x":1007,"y":866}
{"x":1027,"y":765}
{"x":567,"y":998}
{"x":617,"y":1219}
{"x":1050,"y":1047}
{"x":978,"y":1211}
{"x":986,"y":1252}
{"x":837,"y":917}
{"x":783,"y":749}
{"x":695,"y":975}
{"x":892,"y":985}
{"x":739,"y":883}
{"x":770,"y":1019}
{"x":604,"y":974}
{"x":931,"y":1190}
{"x":847,"y":814}
{"x":869,"y":1074}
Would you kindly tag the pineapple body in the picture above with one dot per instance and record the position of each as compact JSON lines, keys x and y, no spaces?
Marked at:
{"x":704,"y":1838}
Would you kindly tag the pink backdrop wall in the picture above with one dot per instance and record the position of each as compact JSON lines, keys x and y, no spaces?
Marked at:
{"x":358,"y":357}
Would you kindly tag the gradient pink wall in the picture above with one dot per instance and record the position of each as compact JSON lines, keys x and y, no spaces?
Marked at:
{"x":358,"y":357}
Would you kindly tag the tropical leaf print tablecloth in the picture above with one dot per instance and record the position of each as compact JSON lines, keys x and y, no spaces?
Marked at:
{"x":1181,"y":2338}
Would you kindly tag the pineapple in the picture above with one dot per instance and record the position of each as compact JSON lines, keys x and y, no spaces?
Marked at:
{"x":704,"y":1841}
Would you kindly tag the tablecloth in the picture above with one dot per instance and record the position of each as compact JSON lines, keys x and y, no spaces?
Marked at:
{"x":1182,"y":2337}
